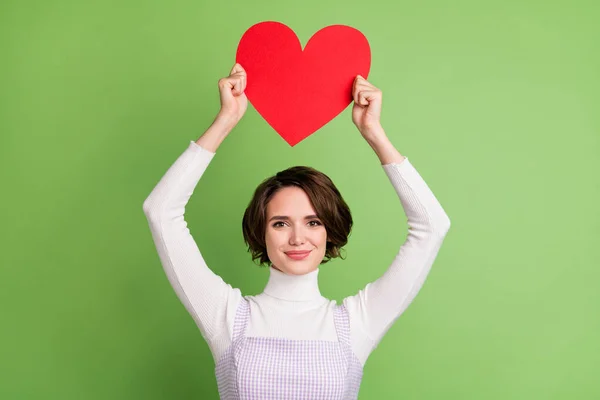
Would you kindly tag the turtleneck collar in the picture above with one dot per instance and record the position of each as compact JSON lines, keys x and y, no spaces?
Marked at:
{"x":293,"y":287}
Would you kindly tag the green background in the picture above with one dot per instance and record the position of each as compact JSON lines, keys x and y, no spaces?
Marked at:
{"x":495,"y":103}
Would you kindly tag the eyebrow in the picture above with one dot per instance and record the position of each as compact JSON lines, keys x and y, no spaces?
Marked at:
{"x":285,"y":217}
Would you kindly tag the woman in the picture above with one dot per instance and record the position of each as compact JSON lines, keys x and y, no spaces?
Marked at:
{"x":289,"y":342}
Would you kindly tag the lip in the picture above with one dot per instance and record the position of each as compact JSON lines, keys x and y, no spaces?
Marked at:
{"x":297,"y":255}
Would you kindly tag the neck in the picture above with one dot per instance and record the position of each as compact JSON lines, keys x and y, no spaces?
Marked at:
{"x":293,"y":287}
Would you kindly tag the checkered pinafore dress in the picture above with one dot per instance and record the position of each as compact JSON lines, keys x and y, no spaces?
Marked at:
{"x":267,"y":368}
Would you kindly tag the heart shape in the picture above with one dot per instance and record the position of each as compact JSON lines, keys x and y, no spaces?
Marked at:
{"x":295,"y":91}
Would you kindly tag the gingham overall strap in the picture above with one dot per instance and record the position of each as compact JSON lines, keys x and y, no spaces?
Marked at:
{"x":242,"y":316}
{"x":342,"y":323}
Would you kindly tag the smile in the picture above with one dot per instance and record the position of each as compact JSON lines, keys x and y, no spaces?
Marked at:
{"x":298,"y":256}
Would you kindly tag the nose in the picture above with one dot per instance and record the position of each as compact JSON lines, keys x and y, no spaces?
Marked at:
{"x":297,"y":236}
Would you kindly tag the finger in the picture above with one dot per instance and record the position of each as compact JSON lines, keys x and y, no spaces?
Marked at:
{"x":366,"y":96}
{"x":225,"y":88}
{"x":237,"y":68}
{"x":232,"y":85}
{"x":362,"y":100}
{"x":371,"y":92}
{"x":360,"y":93}
{"x":358,"y":80}
{"x":358,"y":97}
{"x":360,"y":88}
{"x":355,"y":89}
{"x":363,"y":83}
{"x":237,"y":86}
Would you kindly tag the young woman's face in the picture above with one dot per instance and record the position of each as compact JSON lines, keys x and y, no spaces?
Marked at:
{"x":292,"y":226}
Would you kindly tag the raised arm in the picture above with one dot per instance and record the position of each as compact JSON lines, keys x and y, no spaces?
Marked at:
{"x":203,"y":293}
{"x":376,"y":307}
{"x":210,"y":301}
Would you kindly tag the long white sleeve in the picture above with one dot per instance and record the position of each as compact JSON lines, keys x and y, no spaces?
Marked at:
{"x":210,"y":301}
{"x":376,"y":307}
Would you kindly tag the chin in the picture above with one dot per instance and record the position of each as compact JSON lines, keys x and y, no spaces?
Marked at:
{"x":297,"y":269}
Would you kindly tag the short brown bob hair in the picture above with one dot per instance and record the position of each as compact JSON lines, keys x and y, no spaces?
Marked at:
{"x":326,"y":199}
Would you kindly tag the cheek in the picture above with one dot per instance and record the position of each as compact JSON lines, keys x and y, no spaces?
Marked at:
{"x":274,"y":238}
{"x":322,"y":238}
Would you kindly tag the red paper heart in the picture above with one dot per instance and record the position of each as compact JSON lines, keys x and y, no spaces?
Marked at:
{"x":295,"y":91}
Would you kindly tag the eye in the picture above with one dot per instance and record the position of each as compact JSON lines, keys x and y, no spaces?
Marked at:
{"x":317,"y":223}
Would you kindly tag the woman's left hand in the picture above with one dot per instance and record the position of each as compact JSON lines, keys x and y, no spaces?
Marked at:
{"x":367,"y":107}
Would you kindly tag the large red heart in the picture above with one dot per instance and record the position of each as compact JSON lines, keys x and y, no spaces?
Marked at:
{"x":295,"y":91}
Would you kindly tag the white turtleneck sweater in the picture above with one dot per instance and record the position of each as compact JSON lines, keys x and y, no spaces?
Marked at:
{"x":291,"y":306}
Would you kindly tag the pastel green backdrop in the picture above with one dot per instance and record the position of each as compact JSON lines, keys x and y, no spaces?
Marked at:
{"x":495,"y":103}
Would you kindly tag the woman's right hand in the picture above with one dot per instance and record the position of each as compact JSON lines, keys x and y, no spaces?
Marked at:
{"x":233,"y":99}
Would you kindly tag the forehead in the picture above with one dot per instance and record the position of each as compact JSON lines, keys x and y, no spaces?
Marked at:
{"x":290,"y":200}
